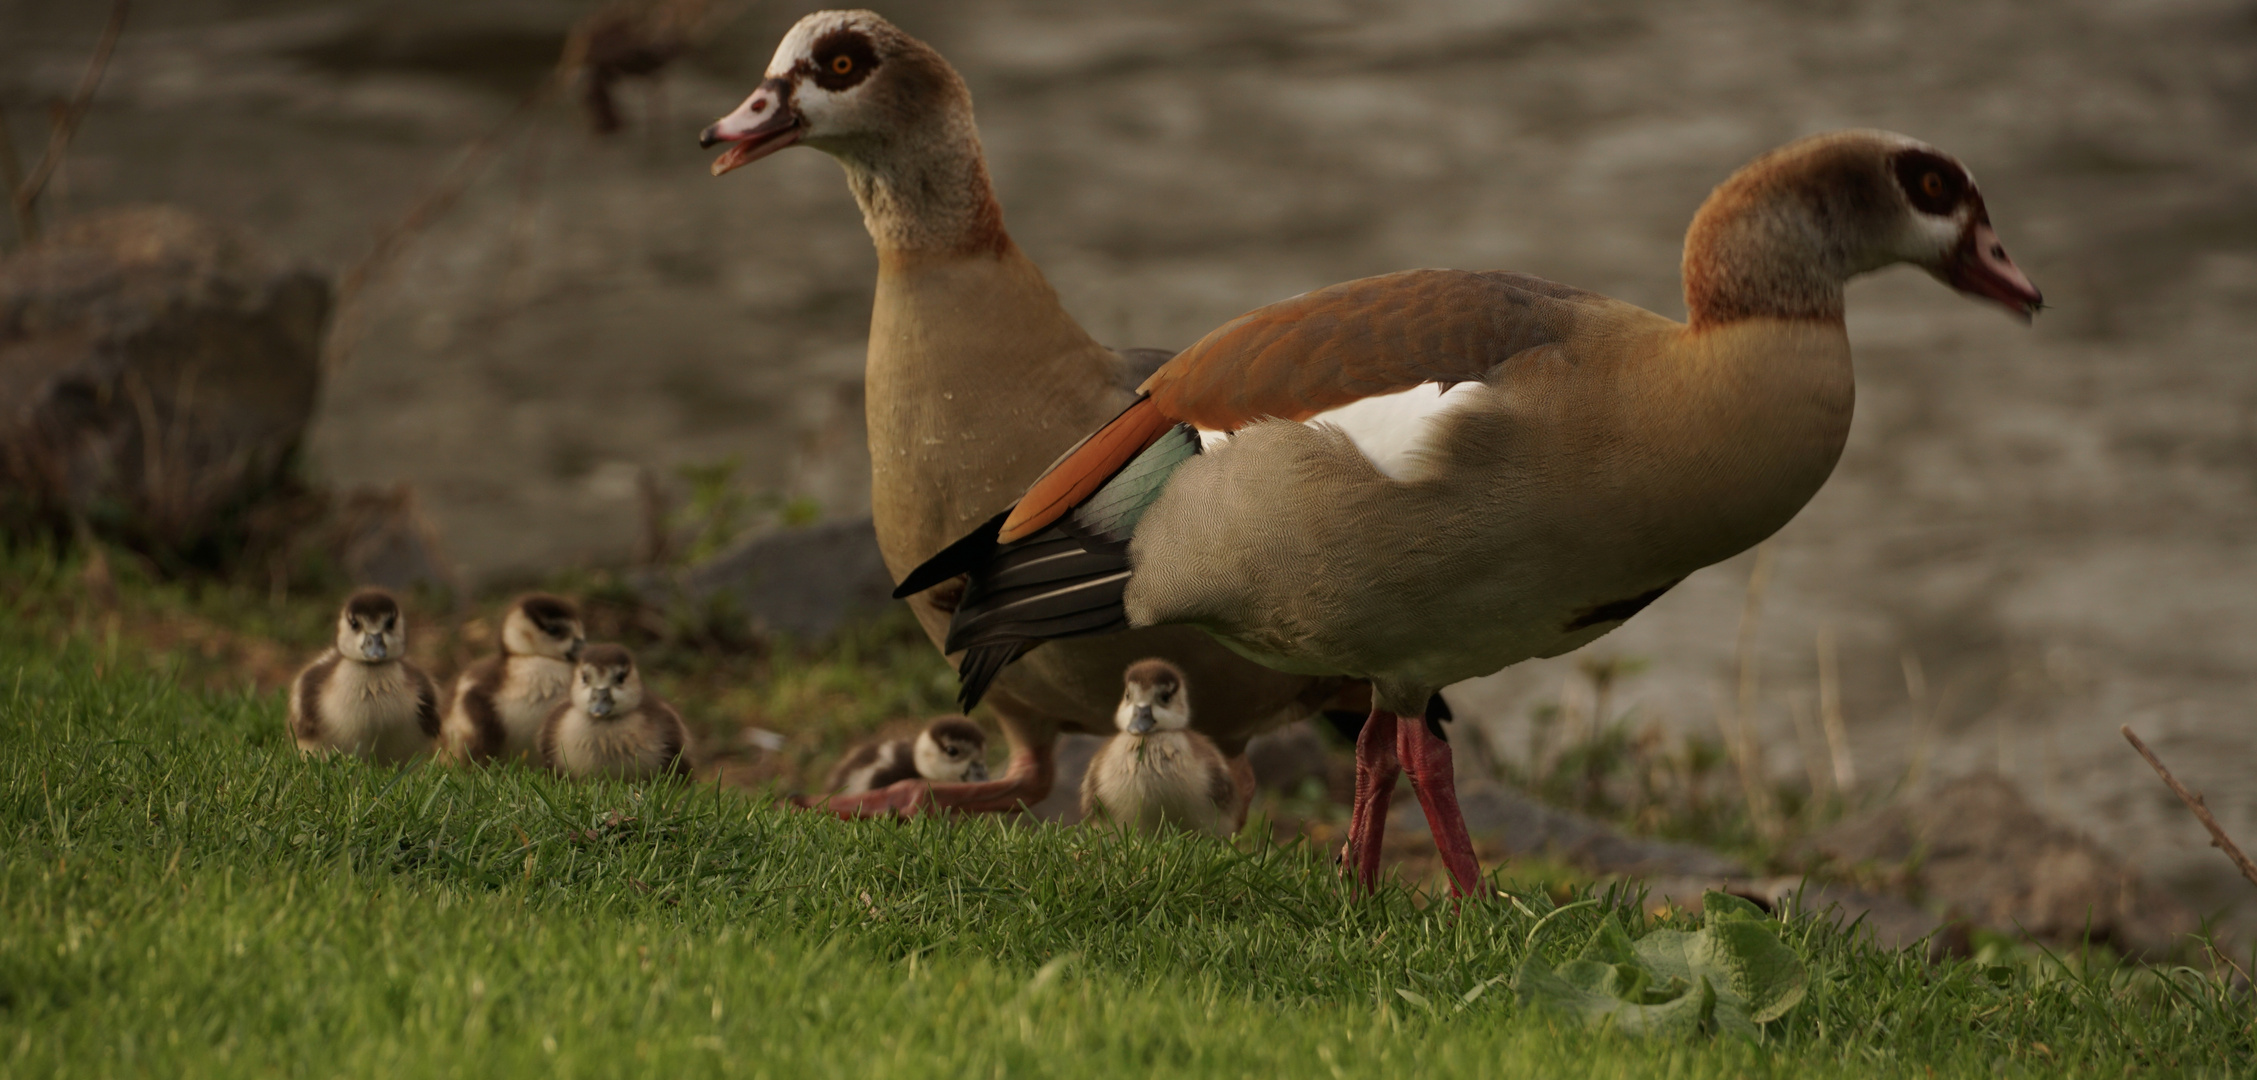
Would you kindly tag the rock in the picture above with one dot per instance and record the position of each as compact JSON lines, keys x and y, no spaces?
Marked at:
{"x":806,"y":582}
{"x":1293,"y":755}
{"x":157,"y":372}
{"x":382,"y":538}
{"x":1523,"y":825}
{"x":1976,"y":850}
{"x":1063,"y":804}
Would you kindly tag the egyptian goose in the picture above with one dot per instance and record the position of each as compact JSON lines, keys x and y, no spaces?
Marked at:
{"x":363,"y":696}
{"x":501,"y":701}
{"x":977,"y":379}
{"x":1426,"y":476}
{"x":951,"y":750}
{"x":1158,"y":773}
{"x":611,"y":726}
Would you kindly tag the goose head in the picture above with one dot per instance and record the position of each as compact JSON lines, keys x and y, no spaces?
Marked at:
{"x":1949,"y":231}
{"x":846,"y":83}
{"x":1152,"y":699}
{"x":953,"y":750}
{"x":605,"y":683}
{"x":543,"y":625}
{"x":370,"y":628}
{"x":1783,"y":234}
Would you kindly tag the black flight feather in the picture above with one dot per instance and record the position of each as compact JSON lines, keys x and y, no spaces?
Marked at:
{"x":960,"y":557}
{"x":1066,"y":581}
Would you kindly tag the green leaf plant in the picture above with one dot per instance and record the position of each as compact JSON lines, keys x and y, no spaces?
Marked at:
{"x":1731,"y":976}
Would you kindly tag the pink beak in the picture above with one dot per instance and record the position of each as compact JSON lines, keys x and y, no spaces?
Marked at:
{"x":1980,"y":267}
{"x":764,"y":124}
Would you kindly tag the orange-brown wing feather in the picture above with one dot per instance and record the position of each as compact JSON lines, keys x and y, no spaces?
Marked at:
{"x":1085,"y":469}
{"x":1296,"y":358}
{"x":1377,"y":335}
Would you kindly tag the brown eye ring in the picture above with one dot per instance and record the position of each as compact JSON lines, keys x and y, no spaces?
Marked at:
{"x":1933,"y":184}
{"x":842,"y":64}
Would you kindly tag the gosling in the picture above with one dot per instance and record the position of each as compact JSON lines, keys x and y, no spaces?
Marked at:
{"x":501,"y":701}
{"x":611,"y":727}
{"x":1158,"y":772}
{"x":951,"y":750}
{"x":362,"y":696}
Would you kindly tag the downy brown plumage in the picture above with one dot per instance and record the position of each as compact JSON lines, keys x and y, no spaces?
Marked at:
{"x":501,"y":701}
{"x":977,"y":378}
{"x":951,"y":750}
{"x":363,"y":696}
{"x":1158,"y":773}
{"x":1427,"y":476}
{"x":611,"y":726}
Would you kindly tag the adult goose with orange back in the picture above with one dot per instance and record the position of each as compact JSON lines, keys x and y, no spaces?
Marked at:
{"x":1427,"y":476}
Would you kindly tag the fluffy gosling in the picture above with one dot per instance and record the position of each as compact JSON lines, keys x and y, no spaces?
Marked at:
{"x":362,"y":696}
{"x":612,"y":727}
{"x":501,"y":701}
{"x":1158,"y":772}
{"x":951,"y":750}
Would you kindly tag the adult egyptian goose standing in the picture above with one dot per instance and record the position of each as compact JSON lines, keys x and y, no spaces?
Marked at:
{"x":611,"y":726}
{"x":977,"y":379}
{"x":1158,"y":773}
{"x":1426,"y":476}
{"x":364,"y":696}
{"x":501,"y":701}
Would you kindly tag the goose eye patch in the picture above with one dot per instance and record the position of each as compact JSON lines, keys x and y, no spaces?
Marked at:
{"x":1933,"y":183}
{"x":843,"y":58}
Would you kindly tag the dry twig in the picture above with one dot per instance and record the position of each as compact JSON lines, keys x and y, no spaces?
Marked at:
{"x":2193,"y":801}
{"x":23,"y":196}
{"x":11,"y":179}
{"x":1741,"y":737}
{"x":1830,"y":712}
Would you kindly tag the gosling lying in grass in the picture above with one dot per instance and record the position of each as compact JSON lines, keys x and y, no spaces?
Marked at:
{"x":951,"y":750}
{"x":1158,"y":772}
{"x":611,"y":727}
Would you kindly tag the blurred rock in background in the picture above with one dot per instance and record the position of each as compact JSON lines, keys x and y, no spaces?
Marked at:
{"x":157,"y":373}
{"x":1976,"y":850}
{"x":805,"y":582}
{"x":381,"y":537}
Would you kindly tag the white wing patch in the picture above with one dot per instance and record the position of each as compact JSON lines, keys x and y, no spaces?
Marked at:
{"x":1392,"y":430}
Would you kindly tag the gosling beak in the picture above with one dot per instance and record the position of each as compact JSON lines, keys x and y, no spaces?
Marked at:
{"x":1141,"y":722}
{"x":599,"y":703}
{"x":372,"y":646}
{"x":1980,"y":267}
{"x":764,"y":124}
{"x":975,"y":772}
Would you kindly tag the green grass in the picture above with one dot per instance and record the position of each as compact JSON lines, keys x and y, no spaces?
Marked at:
{"x":183,"y":895}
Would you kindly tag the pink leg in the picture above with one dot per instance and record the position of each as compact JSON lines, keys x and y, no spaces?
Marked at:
{"x":1376,"y":769}
{"x":1032,"y":771}
{"x":1427,"y":758}
{"x":1242,"y":788}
